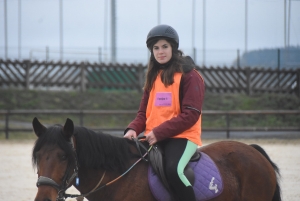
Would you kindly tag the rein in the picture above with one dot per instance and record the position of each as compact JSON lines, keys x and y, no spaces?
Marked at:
{"x":61,"y":190}
{"x":81,"y":196}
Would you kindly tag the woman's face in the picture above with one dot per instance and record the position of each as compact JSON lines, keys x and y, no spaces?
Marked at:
{"x":162,"y":51}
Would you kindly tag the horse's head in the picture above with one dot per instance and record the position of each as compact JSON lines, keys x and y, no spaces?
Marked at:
{"x":55,"y":159}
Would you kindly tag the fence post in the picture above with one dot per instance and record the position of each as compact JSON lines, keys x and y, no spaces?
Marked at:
{"x":195,"y":55}
{"x":141,"y":80}
{"x":238,"y":59}
{"x":227,"y":126}
{"x":7,"y":125}
{"x":278,"y":68}
{"x":298,"y":83}
{"x":81,"y":118}
{"x":47,"y":54}
{"x":240,"y":87}
{"x":46,"y":66}
{"x":248,"y":80}
{"x":82,"y":77}
{"x":27,"y":74}
{"x":100,"y":54}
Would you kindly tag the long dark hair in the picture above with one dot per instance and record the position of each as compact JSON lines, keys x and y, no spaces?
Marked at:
{"x":167,"y":75}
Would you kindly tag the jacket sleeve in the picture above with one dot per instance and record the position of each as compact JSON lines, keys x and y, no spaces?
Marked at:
{"x":139,"y":123}
{"x":191,"y":105}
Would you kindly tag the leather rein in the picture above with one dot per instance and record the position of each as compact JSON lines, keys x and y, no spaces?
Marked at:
{"x":66,"y":182}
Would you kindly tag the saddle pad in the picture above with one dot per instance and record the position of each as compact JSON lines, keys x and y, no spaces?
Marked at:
{"x":208,"y":181}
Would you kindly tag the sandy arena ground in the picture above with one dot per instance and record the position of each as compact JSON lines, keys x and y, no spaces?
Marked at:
{"x":17,"y":177}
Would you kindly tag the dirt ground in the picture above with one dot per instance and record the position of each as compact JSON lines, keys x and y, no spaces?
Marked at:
{"x":17,"y":177}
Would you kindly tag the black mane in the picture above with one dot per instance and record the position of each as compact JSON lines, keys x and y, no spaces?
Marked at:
{"x":99,"y":150}
{"x":94,"y":150}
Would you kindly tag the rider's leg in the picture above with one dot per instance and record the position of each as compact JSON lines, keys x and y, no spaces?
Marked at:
{"x":178,"y":153}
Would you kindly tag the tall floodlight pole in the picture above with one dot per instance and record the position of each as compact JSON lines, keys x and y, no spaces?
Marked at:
{"x":284,"y":13}
{"x":193,"y":24}
{"x":193,"y":31}
{"x":289,"y":24}
{"x":246,"y":25}
{"x":158,"y":11}
{"x":61,"y":28}
{"x":204,"y":31}
{"x":105,"y":27}
{"x":19,"y":30}
{"x":113,"y":31}
{"x":5,"y":29}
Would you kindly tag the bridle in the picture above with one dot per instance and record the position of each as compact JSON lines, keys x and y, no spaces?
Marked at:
{"x":66,"y":182}
{"x":67,"y":179}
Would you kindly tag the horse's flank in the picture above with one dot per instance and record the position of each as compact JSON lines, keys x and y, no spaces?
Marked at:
{"x":245,"y":170}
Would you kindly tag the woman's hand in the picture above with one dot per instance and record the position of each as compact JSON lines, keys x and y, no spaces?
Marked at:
{"x":151,"y":139}
{"x":130,"y":134}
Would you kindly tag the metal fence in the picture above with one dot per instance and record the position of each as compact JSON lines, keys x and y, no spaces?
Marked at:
{"x":274,"y":58}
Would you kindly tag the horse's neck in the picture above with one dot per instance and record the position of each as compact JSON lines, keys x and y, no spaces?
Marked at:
{"x":136,"y":178}
{"x":88,"y":178}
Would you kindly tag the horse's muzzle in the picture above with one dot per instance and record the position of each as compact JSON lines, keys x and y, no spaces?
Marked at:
{"x":46,"y":193}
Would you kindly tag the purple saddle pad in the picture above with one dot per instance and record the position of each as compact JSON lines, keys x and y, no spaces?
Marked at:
{"x":208,"y":181}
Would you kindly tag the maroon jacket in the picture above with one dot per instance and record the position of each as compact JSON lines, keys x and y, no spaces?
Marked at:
{"x":192,"y":94}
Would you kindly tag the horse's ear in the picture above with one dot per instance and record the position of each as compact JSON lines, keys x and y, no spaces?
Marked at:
{"x":68,"y":128}
{"x":38,"y":128}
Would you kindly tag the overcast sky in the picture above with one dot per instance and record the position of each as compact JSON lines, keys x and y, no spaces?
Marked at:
{"x":86,"y":24}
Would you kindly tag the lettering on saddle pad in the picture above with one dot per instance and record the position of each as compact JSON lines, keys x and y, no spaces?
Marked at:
{"x":213,"y":186}
{"x":208,"y":181}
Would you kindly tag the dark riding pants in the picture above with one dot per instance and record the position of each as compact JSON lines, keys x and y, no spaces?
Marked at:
{"x":177,"y":153}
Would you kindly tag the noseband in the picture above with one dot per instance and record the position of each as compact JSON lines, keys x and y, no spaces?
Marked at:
{"x":46,"y":181}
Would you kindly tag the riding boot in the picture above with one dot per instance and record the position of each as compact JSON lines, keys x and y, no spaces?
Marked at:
{"x":186,"y":194}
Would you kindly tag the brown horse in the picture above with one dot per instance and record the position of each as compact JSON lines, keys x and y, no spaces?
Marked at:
{"x":104,"y":167}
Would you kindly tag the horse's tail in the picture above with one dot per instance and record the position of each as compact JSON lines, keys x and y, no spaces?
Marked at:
{"x":277,"y":194}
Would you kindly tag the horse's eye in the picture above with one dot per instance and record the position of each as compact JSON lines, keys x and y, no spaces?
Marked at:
{"x":63,"y":157}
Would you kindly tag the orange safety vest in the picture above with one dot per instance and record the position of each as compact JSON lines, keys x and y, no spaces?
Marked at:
{"x":164,"y":104}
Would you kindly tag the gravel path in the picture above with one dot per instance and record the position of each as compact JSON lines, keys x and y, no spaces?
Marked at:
{"x":17,"y":177}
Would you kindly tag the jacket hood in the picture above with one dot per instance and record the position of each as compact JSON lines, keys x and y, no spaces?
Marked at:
{"x":188,"y":64}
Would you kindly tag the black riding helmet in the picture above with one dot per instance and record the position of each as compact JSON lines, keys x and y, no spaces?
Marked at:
{"x":162,"y":31}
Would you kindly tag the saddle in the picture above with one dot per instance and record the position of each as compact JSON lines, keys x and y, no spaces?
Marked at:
{"x":201,"y":171}
{"x":208,"y":181}
{"x":156,"y":161}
